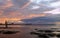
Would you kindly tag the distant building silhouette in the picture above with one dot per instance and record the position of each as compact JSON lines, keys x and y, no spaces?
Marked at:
{"x":6,"y":24}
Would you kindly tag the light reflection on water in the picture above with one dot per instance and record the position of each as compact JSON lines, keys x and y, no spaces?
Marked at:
{"x":44,"y":26}
{"x":35,"y":26}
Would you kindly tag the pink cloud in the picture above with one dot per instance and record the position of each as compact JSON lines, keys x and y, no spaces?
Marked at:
{"x":55,"y":11}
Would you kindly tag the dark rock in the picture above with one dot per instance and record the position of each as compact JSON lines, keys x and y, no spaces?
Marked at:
{"x":58,"y":35}
{"x":34,"y":33}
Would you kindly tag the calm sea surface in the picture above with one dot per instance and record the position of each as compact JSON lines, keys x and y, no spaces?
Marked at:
{"x":33,"y":26}
{"x":26,"y":29}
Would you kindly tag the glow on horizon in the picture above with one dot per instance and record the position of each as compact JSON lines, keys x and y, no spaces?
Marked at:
{"x":2,"y":20}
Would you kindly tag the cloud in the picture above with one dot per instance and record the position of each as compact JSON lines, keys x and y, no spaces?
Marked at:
{"x":33,"y":15}
{"x":24,"y":6}
{"x":5,"y":4}
{"x":37,"y":15}
{"x":2,"y":20}
{"x":40,"y":20}
{"x":9,"y":4}
{"x":1,"y":12}
{"x":55,"y":11}
{"x":35,"y":7}
{"x":55,"y":4}
{"x":20,"y":3}
{"x":27,"y":8}
{"x":35,"y":1}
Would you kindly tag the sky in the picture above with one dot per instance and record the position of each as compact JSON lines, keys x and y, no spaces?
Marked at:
{"x":24,"y":9}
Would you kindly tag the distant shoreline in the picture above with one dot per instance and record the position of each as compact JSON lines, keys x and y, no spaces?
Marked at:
{"x":27,"y":24}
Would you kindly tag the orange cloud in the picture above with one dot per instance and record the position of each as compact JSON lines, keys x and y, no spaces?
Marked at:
{"x":15,"y":14}
{"x":19,"y":16}
{"x":7,"y":4}
{"x":57,"y":22}
{"x":36,"y":15}
{"x":1,"y":12}
{"x":2,"y":20}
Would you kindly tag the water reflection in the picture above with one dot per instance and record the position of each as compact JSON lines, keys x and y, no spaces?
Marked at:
{"x":47,"y":31}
